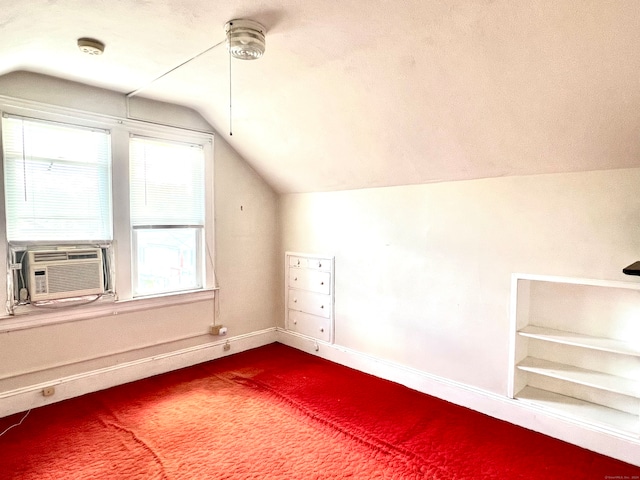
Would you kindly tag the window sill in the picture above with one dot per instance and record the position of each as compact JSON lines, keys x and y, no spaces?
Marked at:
{"x":104,"y":308}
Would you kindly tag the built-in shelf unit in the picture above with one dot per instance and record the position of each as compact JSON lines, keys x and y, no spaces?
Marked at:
{"x":575,"y":350}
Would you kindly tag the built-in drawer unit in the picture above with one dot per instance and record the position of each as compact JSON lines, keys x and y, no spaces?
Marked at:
{"x":309,"y":287}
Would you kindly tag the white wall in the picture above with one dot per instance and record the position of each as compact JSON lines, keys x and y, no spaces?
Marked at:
{"x":423,"y":272}
{"x":245,"y":252}
{"x":247,"y":236}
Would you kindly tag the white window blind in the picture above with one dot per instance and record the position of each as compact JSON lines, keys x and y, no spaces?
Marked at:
{"x":167,"y":192}
{"x":57,"y":181}
{"x":167,"y":183}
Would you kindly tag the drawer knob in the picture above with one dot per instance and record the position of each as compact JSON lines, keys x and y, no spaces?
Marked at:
{"x":322,"y":330}
{"x":321,"y":306}
{"x":295,"y":279}
{"x":319,"y":265}
{"x":321,"y":283}
{"x":295,"y":300}
{"x":295,"y":322}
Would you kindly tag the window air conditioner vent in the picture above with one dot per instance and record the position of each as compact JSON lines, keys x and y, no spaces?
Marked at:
{"x":54,"y":256}
{"x":83,"y":255}
{"x":56,"y":274}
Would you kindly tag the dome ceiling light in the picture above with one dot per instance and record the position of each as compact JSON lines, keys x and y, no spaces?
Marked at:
{"x":245,"y":39}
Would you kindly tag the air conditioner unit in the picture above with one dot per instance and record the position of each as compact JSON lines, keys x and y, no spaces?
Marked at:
{"x":65,"y":273}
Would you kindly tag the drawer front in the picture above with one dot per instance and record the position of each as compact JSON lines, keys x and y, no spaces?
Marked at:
{"x":312,"y":280}
{"x":323,"y":264}
{"x":297,"y":262}
{"x":310,"y":325}
{"x":310,"y":302}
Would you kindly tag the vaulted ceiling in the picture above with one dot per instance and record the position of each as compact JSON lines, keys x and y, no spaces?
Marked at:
{"x":367,"y":93}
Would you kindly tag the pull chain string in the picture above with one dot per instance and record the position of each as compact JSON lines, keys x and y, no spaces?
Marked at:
{"x":230,"y":109}
{"x":24,"y":165}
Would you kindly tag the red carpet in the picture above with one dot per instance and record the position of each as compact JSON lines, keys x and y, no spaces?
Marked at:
{"x":277,"y":413}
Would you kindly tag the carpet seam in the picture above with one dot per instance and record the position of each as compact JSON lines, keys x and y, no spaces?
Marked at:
{"x":361,"y":436}
{"x":143,"y":444}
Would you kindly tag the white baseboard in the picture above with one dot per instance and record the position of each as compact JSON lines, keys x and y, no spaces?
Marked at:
{"x":497,"y":406}
{"x":22,"y":399}
{"x":587,"y":436}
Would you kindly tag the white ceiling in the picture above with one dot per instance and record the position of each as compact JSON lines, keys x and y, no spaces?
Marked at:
{"x":366,"y":93}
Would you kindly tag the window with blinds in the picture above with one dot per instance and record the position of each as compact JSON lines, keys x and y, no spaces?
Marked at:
{"x":57,"y":180}
{"x":167,"y":198}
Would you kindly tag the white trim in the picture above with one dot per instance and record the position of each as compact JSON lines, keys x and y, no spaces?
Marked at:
{"x":539,"y":419}
{"x":105,"y":308}
{"x":22,"y":399}
{"x":310,"y":255}
{"x":513,"y":313}
{"x":33,"y":106}
{"x":576,"y":281}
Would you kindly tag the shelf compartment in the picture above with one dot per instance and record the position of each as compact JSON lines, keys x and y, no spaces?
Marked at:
{"x":582,"y":376}
{"x":580,"y":340}
{"x":585,"y":412}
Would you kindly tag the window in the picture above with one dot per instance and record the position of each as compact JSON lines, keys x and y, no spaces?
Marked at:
{"x":167,"y":215}
{"x":57,"y":181}
{"x":140,"y":192}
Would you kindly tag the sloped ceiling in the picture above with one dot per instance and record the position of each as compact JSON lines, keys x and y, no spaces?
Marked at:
{"x":368,"y":93}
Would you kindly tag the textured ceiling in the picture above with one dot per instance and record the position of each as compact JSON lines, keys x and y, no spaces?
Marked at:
{"x":361,"y":93}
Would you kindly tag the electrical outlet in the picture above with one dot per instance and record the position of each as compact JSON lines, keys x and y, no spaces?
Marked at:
{"x":48,"y":391}
{"x":217,"y":330}
{"x":227,"y":346}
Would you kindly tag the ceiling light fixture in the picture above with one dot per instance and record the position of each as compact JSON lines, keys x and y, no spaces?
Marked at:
{"x":245,"y":39}
{"x":91,"y":46}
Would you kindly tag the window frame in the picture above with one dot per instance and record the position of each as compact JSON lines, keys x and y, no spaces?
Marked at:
{"x":166,"y":221}
{"x":121,"y":247}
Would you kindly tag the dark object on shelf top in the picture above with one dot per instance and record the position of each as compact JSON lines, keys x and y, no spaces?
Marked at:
{"x":633,"y":269}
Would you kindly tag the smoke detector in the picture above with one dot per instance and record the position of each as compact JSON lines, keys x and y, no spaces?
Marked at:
{"x":245,"y":39}
{"x":90,"y":46}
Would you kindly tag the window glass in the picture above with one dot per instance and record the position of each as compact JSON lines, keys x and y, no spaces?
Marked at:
{"x":167,"y":215}
{"x":167,"y":260}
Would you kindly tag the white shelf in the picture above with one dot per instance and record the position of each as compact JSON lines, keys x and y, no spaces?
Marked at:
{"x":599,"y":415}
{"x":580,"y":340}
{"x":552,"y":367}
{"x":582,"y":376}
{"x":576,"y":281}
